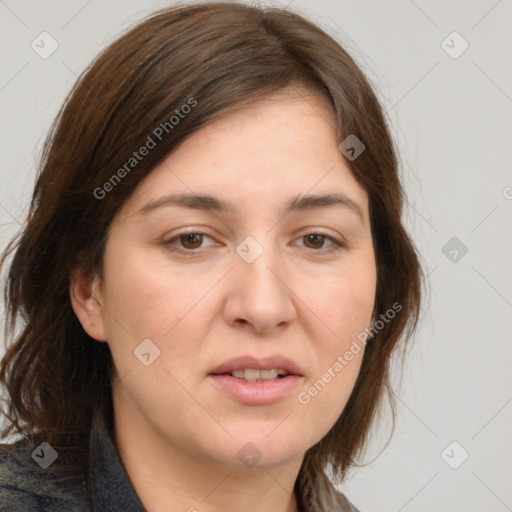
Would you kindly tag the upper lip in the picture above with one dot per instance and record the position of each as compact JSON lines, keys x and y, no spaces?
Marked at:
{"x":258,"y":363}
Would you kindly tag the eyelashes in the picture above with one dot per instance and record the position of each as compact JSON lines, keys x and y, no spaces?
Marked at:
{"x":195,"y":239}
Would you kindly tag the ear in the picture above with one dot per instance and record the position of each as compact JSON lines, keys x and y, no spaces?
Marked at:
{"x":86,"y":300}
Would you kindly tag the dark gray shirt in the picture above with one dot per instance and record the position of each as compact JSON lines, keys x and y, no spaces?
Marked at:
{"x":25,"y":486}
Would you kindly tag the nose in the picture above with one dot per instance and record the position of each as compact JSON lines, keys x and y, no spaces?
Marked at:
{"x":260,"y":294}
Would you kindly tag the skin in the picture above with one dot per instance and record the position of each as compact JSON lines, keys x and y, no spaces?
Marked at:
{"x":177,"y":434}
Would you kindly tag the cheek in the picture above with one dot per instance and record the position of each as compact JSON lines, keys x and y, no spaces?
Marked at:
{"x":325,"y":394}
{"x":343,"y":302}
{"x":345,"y":305}
{"x":149,"y":299}
{"x":327,"y":390}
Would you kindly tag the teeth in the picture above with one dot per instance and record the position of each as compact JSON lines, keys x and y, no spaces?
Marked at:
{"x":252,"y":375}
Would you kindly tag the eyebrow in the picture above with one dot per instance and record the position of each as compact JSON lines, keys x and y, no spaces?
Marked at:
{"x":299,"y":203}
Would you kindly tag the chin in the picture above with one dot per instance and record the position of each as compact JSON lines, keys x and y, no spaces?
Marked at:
{"x":258,"y":448}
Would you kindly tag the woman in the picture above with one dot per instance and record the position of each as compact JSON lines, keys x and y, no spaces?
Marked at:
{"x":212,"y":278}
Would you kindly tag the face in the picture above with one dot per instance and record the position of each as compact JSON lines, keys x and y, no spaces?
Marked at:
{"x":248,"y":248}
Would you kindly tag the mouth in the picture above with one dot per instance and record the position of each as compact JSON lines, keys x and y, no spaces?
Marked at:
{"x":254,"y":375}
{"x":257,"y":381}
{"x":253,"y":368}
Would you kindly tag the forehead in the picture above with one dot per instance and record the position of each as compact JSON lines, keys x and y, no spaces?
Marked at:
{"x":295,"y":121}
{"x":263,"y":153}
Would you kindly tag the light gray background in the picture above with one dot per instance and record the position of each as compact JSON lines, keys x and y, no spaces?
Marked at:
{"x":452,"y":120}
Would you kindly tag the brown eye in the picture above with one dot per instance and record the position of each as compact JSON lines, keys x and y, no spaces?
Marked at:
{"x":314,"y":241}
{"x":191,"y":240}
{"x":188,"y":243}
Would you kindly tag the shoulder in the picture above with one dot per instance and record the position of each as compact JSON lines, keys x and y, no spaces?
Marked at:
{"x":344,"y":504}
{"x":329,"y":499}
{"x":26,"y":486}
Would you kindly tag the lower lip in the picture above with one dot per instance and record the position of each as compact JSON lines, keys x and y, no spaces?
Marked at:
{"x":256,"y":392}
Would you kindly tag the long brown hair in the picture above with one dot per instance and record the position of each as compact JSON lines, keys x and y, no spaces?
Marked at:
{"x":222,"y":55}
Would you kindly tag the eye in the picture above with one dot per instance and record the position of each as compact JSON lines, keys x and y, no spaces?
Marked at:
{"x":316,"y":242}
{"x":188,"y":242}
{"x":192,"y":241}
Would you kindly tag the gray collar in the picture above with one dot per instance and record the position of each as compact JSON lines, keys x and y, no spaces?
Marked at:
{"x":109,"y":485}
